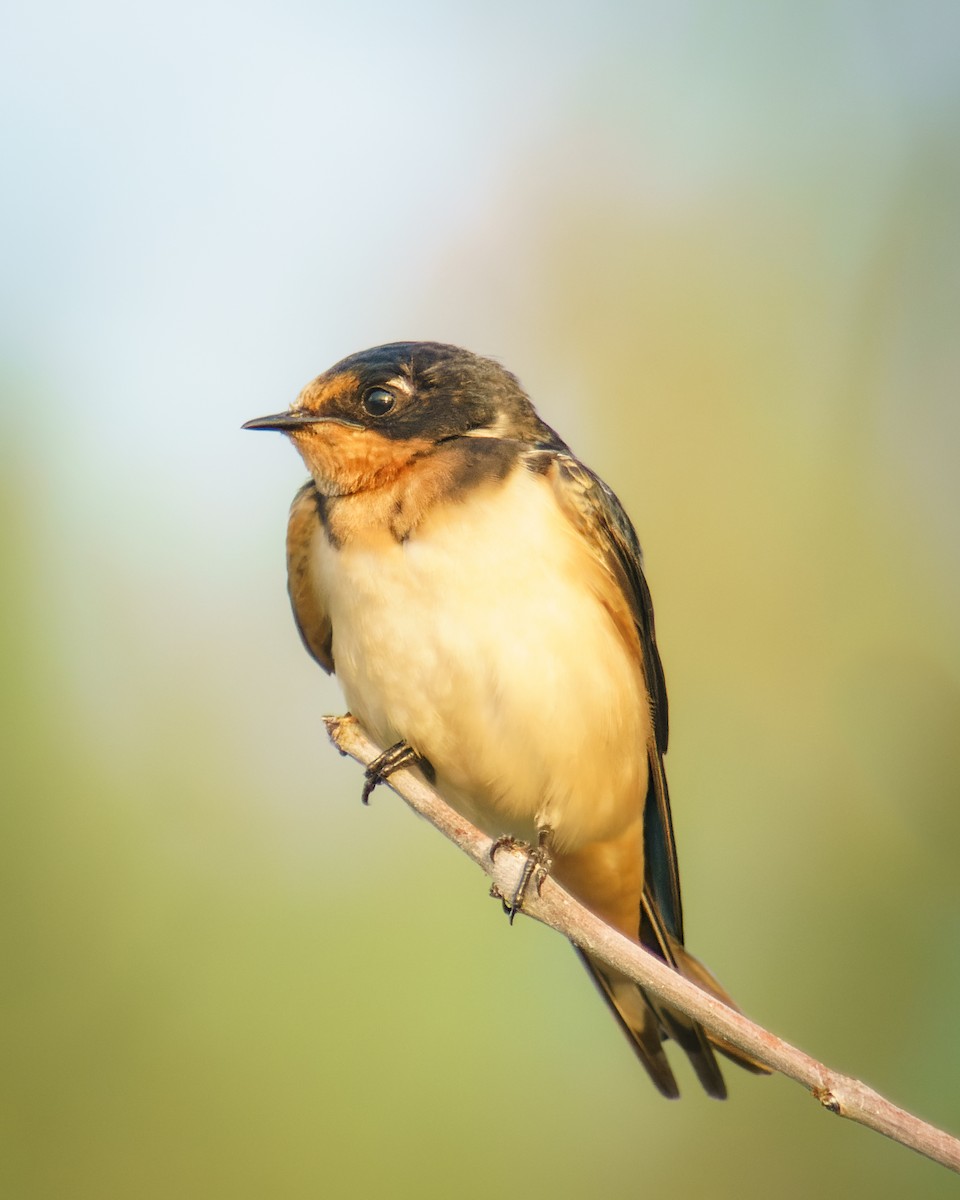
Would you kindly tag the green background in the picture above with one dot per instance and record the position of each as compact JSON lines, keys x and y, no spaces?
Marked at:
{"x":720,"y":245}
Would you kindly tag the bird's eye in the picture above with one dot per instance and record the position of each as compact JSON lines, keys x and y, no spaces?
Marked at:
{"x":378,"y":401}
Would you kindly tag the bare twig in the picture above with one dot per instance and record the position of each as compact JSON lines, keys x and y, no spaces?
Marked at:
{"x":553,"y":906}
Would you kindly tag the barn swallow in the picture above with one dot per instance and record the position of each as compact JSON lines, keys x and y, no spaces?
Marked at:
{"x":480,"y":594}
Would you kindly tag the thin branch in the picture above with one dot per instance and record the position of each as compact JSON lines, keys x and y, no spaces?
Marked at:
{"x":838,"y":1093}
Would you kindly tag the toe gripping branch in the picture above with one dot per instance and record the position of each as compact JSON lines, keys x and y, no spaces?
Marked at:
{"x":536,"y":868}
{"x":383,"y":766}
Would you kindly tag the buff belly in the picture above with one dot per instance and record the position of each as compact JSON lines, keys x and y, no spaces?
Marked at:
{"x":483,"y":641}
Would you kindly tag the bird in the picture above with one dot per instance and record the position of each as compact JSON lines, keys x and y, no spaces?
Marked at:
{"x":480,"y":595}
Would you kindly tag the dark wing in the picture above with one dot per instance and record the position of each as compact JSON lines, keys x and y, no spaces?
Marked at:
{"x":306,"y":599}
{"x":594,"y":509}
{"x":596,"y":512}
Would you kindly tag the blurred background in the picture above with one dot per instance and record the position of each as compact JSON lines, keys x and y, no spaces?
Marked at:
{"x":720,"y":244}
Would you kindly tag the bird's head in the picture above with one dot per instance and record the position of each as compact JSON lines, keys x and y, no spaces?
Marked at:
{"x":362,"y":422}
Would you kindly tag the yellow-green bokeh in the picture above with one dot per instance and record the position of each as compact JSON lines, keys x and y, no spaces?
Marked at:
{"x":222,"y":976}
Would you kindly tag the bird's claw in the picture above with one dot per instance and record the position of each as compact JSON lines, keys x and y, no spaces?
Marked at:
{"x":383,"y":766}
{"x":536,"y":867}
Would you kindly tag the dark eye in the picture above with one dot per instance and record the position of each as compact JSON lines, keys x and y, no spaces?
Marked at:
{"x":378,"y":401}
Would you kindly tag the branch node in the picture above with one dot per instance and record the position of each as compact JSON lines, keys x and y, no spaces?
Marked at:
{"x":828,"y":1099}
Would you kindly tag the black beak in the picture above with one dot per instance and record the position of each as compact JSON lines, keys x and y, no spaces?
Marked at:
{"x":284,"y":422}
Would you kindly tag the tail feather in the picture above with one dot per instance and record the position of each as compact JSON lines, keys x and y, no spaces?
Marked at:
{"x":637,"y":1019}
{"x":647,"y":1022}
{"x":693,"y":969}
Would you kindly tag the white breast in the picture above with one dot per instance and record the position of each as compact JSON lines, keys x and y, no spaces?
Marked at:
{"x":480,"y":640}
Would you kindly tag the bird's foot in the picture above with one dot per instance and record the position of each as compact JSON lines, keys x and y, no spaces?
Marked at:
{"x":383,"y":766}
{"x":536,"y":868}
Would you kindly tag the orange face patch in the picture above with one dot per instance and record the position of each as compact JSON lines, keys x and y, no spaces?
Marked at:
{"x":344,"y":459}
{"x":326,"y":390}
